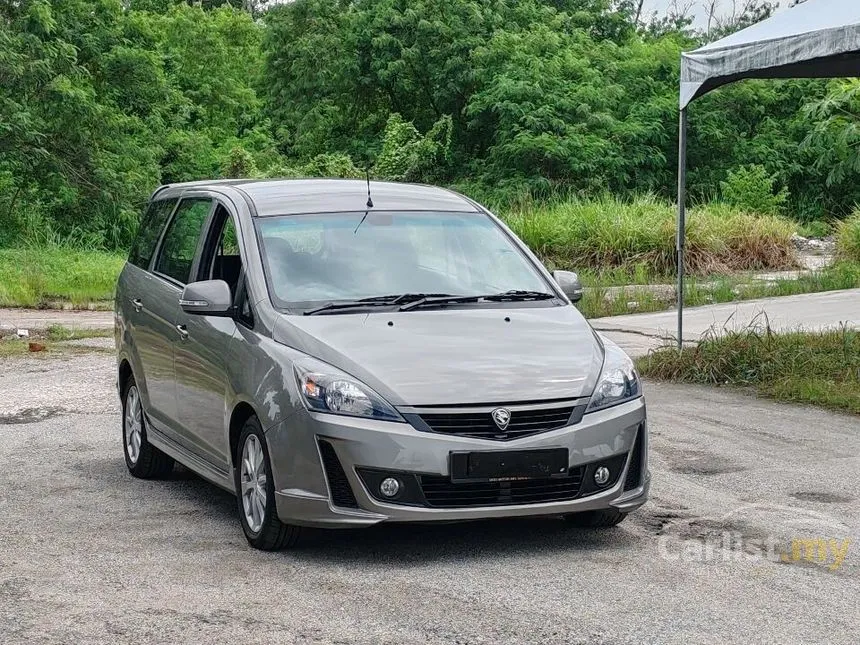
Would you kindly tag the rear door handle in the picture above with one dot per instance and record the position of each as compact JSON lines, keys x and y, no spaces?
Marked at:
{"x":183,"y":331}
{"x":137,"y":303}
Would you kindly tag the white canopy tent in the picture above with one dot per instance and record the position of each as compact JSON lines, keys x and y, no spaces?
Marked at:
{"x":815,"y":39}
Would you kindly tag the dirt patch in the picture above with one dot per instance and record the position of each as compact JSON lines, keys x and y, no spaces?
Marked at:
{"x":29,"y":415}
{"x":822,"y":497}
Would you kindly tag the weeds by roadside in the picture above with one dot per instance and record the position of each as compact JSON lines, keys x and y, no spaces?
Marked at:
{"x":820,"y":368}
{"x":50,"y":276}
{"x":848,"y":238}
{"x":608,"y":233}
{"x":603,"y":296}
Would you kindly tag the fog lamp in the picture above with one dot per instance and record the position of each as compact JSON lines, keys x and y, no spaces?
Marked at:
{"x":601,"y":475}
{"x":389,"y":487}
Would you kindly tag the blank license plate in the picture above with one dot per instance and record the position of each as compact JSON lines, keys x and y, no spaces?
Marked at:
{"x":500,"y":465}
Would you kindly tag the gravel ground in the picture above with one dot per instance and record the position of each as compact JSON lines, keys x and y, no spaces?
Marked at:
{"x":89,"y":554}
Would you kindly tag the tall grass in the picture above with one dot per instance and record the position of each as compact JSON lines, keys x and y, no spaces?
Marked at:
{"x":44,"y":276}
{"x":608,"y":233}
{"x":848,"y":238}
{"x":822,"y":368}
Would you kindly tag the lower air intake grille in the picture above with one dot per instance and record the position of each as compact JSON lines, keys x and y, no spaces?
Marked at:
{"x":338,"y":484}
{"x":441,"y":492}
{"x":634,"y":473}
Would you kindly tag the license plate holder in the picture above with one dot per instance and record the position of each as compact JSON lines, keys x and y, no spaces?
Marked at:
{"x":508,"y":465}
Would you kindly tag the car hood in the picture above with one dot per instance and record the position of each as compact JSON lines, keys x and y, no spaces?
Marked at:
{"x":456,"y":356}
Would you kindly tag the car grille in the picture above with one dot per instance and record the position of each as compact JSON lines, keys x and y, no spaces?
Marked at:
{"x":441,"y":492}
{"x":338,"y":484}
{"x":522,"y":424}
{"x":634,"y":472}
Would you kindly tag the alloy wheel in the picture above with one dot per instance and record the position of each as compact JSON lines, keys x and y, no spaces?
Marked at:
{"x":133,"y":425}
{"x":252,"y":479}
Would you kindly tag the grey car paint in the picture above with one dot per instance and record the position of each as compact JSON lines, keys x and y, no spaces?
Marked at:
{"x":220,"y":367}
{"x":503,"y":354}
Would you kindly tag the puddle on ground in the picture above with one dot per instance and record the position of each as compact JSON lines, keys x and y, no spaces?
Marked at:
{"x":696,"y":462}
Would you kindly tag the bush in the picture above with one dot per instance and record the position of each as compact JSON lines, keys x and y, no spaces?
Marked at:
{"x":848,"y":238}
{"x":822,"y":368}
{"x":751,"y":188}
{"x":608,"y":233}
{"x":408,"y":156}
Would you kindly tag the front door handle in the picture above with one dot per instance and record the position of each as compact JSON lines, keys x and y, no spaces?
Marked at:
{"x":183,"y":331}
{"x":137,"y":303}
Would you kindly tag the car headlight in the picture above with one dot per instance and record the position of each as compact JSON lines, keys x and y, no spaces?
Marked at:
{"x":618,"y":381}
{"x":327,"y":389}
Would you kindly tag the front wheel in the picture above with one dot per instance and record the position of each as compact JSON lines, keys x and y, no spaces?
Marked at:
{"x":255,"y":491}
{"x":601,"y":519}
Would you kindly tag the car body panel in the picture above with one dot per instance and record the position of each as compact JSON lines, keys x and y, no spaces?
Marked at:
{"x":399,"y":447}
{"x":202,"y":362}
{"x":458,"y":355}
{"x":150,"y":332}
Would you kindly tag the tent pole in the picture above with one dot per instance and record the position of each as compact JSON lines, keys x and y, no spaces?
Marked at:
{"x":682,"y":212}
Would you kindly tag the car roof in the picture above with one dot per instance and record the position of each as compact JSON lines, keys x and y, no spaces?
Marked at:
{"x":299,"y":196}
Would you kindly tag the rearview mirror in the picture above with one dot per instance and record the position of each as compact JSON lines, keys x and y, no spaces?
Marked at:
{"x":569,"y":283}
{"x":207,"y":298}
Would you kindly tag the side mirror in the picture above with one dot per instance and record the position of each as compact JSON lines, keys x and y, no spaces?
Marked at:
{"x":569,"y":283}
{"x":207,"y":298}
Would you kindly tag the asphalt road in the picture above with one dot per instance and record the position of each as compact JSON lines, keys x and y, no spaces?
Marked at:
{"x":90,"y":554}
{"x":812,"y":311}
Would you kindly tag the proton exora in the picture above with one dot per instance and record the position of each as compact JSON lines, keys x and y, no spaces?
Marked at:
{"x":343,"y":353}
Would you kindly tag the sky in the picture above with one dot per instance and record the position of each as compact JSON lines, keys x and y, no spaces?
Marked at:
{"x":725,"y":7}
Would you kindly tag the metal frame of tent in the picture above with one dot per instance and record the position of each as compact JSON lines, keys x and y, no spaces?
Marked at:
{"x":814,"y":39}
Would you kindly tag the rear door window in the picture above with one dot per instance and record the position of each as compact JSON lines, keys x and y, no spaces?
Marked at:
{"x":151,"y":225}
{"x":181,"y":239}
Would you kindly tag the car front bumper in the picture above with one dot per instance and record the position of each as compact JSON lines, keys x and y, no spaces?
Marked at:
{"x":304,"y":495}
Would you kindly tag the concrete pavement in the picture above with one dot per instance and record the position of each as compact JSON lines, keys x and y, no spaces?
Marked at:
{"x":12,"y":319}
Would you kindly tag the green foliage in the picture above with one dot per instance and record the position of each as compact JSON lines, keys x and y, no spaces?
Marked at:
{"x":751,"y":188}
{"x":99,"y":104}
{"x":815,"y":228}
{"x":408,"y":156}
{"x":821,"y":368}
{"x":834,"y":138}
{"x":516,"y":102}
{"x":848,"y":238}
{"x":331,"y":165}
{"x":240,"y":164}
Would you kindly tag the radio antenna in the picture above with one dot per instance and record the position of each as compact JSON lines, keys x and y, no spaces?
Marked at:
{"x":369,"y":200}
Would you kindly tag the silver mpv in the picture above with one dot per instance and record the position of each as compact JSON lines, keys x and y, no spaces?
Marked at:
{"x":340,"y":353}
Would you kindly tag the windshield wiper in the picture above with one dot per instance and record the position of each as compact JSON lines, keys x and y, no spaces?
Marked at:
{"x":373,"y":301}
{"x":409,"y":301}
{"x":338,"y":306}
{"x":429,"y":301}
{"x":515,"y":295}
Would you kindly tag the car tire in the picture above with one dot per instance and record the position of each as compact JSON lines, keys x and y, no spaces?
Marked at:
{"x":601,"y":519}
{"x":255,"y":493}
{"x":142,"y":459}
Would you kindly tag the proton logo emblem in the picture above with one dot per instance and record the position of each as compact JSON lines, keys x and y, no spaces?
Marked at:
{"x":502,"y":417}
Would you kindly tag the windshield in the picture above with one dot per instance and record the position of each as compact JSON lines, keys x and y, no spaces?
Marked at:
{"x":311,"y":259}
